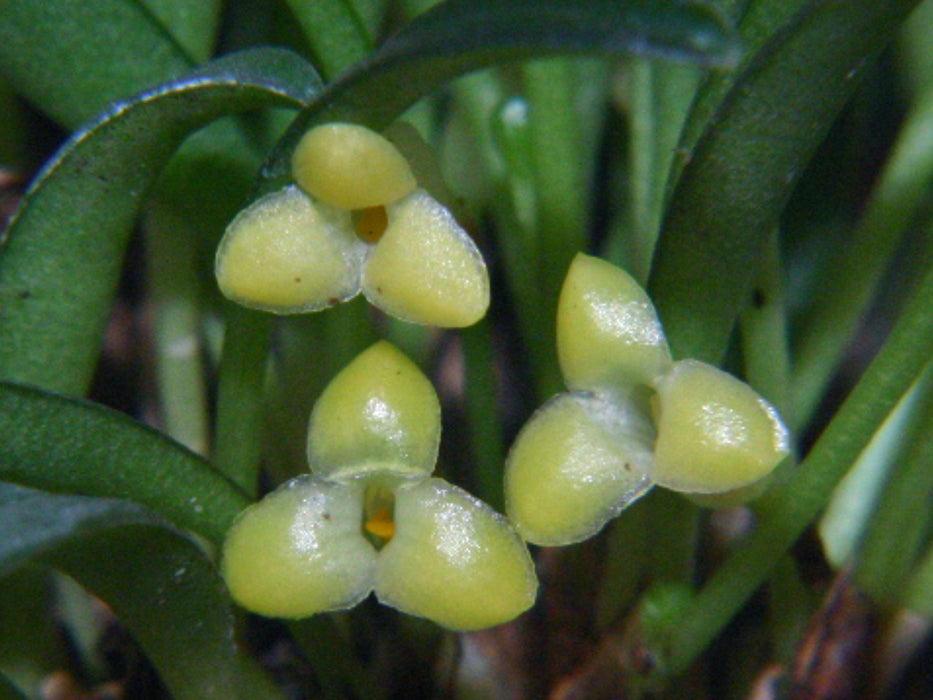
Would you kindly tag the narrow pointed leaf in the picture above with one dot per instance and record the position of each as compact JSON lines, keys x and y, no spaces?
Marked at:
{"x":65,"y":445}
{"x":743,"y":168}
{"x":158,"y":582}
{"x":191,"y":23}
{"x":460,"y":36}
{"x":64,"y":249}
{"x":335,"y":31}
{"x":70,"y":59}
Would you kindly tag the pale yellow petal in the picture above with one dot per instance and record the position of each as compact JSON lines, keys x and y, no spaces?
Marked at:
{"x":454,"y":560}
{"x":350,"y":166}
{"x":608,"y":333}
{"x":379,"y":414}
{"x":715,"y":433}
{"x":575,"y":465}
{"x":299,"y":551}
{"x":426,"y":269}
{"x":287,"y":254}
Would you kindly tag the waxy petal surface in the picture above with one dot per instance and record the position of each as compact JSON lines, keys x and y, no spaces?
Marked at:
{"x":577,"y":463}
{"x":426,"y":269}
{"x":288,"y":254}
{"x":300,"y":551}
{"x":454,"y":560}
{"x":715,"y":433}
{"x":608,"y":333}
{"x":350,"y":166}
{"x":379,"y":414}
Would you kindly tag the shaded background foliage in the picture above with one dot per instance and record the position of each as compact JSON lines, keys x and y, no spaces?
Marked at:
{"x":763,"y":165}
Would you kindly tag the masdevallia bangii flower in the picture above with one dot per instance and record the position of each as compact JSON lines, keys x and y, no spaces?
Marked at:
{"x":370,"y":518}
{"x":355,"y":221}
{"x":632,"y":419}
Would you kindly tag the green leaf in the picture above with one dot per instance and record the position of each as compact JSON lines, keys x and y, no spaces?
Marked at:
{"x":336,"y":33}
{"x":460,"y":36}
{"x":70,"y":59}
{"x":192,"y":23}
{"x":31,"y":646}
{"x":742,"y":170}
{"x":785,"y":511}
{"x":899,"y":528}
{"x":158,"y":582}
{"x":64,"y":248}
{"x":8,"y":691}
{"x":853,"y":275}
{"x":66,"y":445}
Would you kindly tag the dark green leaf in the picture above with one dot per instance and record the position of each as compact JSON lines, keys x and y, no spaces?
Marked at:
{"x":64,"y":445}
{"x":71,"y":58}
{"x":192,"y":23}
{"x":460,"y":36}
{"x":158,"y":582}
{"x":788,"y":508}
{"x":743,"y":168}
{"x":8,"y":691}
{"x":335,"y":32}
{"x":31,"y":646}
{"x":64,"y":248}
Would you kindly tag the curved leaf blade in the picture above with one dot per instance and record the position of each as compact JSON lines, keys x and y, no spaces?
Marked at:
{"x":63,"y":251}
{"x":335,"y":31}
{"x":192,"y":23}
{"x":461,"y":36}
{"x":71,"y":59}
{"x":158,"y":582}
{"x":743,"y":168}
{"x":66,"y":445}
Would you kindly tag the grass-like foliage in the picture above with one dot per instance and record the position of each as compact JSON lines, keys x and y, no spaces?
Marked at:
{"x":761,"y":170}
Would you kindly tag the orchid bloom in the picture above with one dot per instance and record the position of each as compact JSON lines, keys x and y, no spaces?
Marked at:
{"x":354,"y":221}
{"x":370,"y":518}
{"x":632,"y":418}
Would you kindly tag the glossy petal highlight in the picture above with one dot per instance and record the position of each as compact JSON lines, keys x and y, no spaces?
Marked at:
{"x":715,"y":433}
{"x":299,"y":551}
{"x":426,"y":269}
{"x":454,"y":560}
{"x":577,"y":463}
{"x":379,"y":414}
{"x":608,"y":333}
{"x":288,"y":254}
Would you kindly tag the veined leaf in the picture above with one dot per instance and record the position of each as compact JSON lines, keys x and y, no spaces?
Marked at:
{"x":460,"y":36}
{"x":742,"y":170}
{"x":64,"y":249}
{"x":158,"y":582}
{"x":65,"y":445}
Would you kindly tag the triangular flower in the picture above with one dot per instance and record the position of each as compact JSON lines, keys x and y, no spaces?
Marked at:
{"x":632,"y":419}
{"x":370,"y":518}
{"x":356,"y":221}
